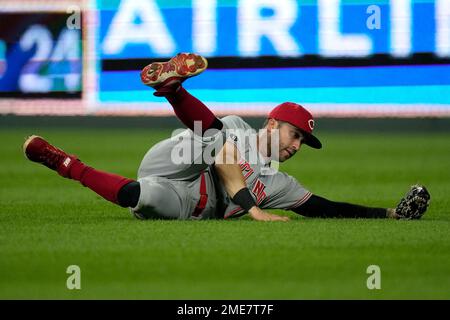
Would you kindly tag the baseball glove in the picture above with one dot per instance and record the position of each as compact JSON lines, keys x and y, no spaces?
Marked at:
{"x":414,"y":203}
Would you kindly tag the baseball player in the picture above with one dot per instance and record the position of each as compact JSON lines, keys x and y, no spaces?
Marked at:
{"x":213,"y":169}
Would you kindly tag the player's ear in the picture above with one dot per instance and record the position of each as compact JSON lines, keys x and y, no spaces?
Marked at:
{"x":272,"y":124}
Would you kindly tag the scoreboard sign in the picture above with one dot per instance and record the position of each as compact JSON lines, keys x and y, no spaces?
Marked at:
{"x":330,"y":28}
{"x":338,"y":57}
{"x":40,"y":55}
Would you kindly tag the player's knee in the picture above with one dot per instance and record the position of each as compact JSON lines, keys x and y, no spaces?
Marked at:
{"x":158,"y":201}
{"x":128,"y":195}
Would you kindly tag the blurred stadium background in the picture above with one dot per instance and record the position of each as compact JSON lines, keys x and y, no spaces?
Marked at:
{"x":340,"y":58}
{"x":69,"y":71}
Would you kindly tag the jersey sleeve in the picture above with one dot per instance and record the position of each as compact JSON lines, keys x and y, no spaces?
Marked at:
{"x":284,"y":192}
{"x":238,"y":132}
{"x":235,"y":122}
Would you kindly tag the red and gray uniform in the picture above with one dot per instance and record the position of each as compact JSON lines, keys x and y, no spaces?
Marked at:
{"x":191,"y":190}
{"x":271,"y":189}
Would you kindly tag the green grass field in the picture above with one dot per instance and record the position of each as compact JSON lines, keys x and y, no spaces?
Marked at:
{"x":48,"y":223}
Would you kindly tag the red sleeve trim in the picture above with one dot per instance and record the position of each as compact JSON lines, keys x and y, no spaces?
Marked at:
{"x":301,"y":201}
{"x":233,"y":212}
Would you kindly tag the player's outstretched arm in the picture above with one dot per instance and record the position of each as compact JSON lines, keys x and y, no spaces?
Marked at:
{"x":230,"y":174}
{"x":412,"y":206}
{"x":319,"y":207}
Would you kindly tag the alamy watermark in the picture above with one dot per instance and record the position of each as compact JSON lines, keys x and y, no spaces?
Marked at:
{"x":73,"y":282}
{"x":374,"y":280}
{"x":374,"y":20}
{"x":73,"y":22}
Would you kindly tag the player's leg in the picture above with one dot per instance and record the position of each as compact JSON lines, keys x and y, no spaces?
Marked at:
{"x":164,"y":159}
{"x":114,"y":188}
{"x":162,"y":198}
{"x":167,"y":77}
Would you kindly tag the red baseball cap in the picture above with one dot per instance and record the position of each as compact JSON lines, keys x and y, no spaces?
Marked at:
{"x":300,"y":118}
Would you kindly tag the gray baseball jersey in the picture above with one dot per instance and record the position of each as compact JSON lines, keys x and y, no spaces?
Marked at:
{"x":175,"y":172}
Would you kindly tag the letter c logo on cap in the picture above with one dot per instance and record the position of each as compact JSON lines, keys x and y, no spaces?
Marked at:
{"x":311,"y":124}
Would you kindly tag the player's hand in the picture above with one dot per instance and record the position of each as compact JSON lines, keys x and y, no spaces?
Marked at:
{"x":260,"y":215}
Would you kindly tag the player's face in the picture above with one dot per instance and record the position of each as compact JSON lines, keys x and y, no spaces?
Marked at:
{"x":290,"y":140}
